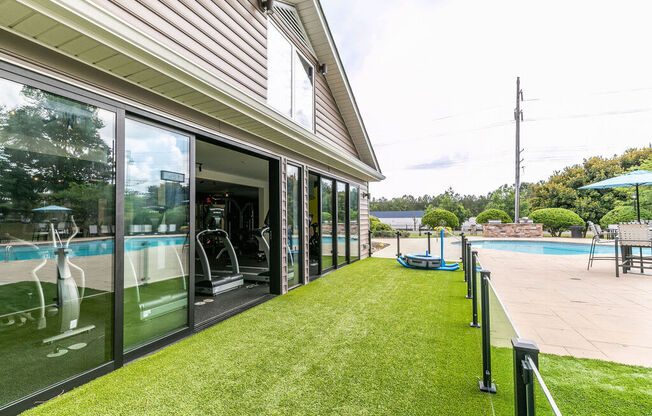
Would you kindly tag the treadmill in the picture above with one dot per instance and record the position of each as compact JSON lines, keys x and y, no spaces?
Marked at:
{"x":213,"y":282}
{"x":252,"y":273}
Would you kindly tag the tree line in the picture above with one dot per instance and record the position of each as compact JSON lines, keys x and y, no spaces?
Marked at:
{"x":560,"y":190}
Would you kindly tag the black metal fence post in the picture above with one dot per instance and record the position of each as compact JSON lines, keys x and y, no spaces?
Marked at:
{"x":398,"y":244}
{"x":472,"y":265}
{"x":467,"y":276}
{"x":474,"y":288}
{"x":464,"y":252}
{"x":428,"y":234}
{"x":523,"y":377}
{"x":486,"y":384}
{"x":370,"y":252}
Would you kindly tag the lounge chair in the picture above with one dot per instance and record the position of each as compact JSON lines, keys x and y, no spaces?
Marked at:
{"x":630,"y":237}
{"x":599,"y":238}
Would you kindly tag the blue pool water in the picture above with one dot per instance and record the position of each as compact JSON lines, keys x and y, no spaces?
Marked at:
{"x":91,"y":248}
{"x":541,"y":247}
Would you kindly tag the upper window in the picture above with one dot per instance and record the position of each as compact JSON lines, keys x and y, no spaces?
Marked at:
{"x":290,"y":79}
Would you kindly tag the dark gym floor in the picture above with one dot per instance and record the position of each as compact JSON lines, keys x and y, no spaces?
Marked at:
{"x":224,"y":303}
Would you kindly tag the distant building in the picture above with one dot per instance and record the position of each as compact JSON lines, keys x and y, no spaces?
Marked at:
{"x":410,"y":220}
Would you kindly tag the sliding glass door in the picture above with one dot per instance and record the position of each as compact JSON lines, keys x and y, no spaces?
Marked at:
{"x":326,"y":224}
{"x":57,"y":225}
{"x":294,"y":229}
{"x":156,"y":232}
{"x":342,"y":242}
{"x":354,"y":223}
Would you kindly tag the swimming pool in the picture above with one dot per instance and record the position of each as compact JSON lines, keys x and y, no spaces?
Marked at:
{"x":541,"y":247}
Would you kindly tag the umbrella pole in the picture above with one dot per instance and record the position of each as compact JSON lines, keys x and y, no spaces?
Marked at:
{"x":638,"y":206}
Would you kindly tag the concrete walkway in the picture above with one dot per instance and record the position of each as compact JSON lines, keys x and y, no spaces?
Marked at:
{"x":564,"y":308}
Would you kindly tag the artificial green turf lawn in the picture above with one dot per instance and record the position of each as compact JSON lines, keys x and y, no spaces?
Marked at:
{"x":371,"y":338}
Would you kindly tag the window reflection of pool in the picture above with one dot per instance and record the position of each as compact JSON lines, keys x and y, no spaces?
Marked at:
{"x":90,"y":247}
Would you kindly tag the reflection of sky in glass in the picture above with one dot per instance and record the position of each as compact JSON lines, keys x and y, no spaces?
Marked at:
{"x":279,"y":71}
{"x":11,"y":98}
{"x":150,"y":149}
{"x":303,"y":108}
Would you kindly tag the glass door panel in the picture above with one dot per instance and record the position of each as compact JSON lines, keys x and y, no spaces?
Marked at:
{"x":294,"y":230}
{"x":341,"y":223}
{"x":57,"y":225}
{"x":354,"y":223}
{"x":326,"y":224}
{"x":156,"y":232}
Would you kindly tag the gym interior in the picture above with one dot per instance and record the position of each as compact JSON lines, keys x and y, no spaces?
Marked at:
{"x":232,"y":231}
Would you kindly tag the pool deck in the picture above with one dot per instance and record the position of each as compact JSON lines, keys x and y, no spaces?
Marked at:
{"x":567,"y":310}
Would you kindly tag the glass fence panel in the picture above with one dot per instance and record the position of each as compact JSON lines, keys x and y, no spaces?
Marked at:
{"x":544,"y":403}
{"x":502,"y":331}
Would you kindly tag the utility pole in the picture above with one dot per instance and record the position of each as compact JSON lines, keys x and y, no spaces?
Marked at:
{"x":518,"y":117}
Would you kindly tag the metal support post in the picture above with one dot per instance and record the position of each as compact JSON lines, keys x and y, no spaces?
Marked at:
{"x":474,"y":286}
{"x":398,"y":244}
{"x":486,"y":385}
{"x":523,"y":377}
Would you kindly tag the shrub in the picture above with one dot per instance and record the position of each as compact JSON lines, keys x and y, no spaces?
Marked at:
{"x":556,"y":220}
{"x":492,"y":214}
{"x":435,"y":232}
{"x":380,"y":226}
{"x":440,"y":217}
{"x":389,"y":234}
{"x":623,"y":214}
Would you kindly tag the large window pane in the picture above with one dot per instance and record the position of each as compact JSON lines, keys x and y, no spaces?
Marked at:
{"x":279,"y":71}
{"x":303,"y":91}
{"x":314,"y":241}
{"x":341,"y":223}
{"x":354,"y":222}
{"x":56,"y":232}
{"x":294,"y":225}
{"x":326,"y":223}
{"x":156,"y":232}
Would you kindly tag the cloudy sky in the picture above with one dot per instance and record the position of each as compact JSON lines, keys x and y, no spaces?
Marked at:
{"x":435,"y":82}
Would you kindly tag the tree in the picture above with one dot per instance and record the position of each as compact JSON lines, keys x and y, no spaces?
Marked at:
{"x":504,"y":197}
{"x":493,"y":214}
{"x":556,"y":220}
{"x":436,"y":217}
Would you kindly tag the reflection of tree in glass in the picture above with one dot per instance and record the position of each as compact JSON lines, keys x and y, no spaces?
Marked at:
{"x":51,"y":152}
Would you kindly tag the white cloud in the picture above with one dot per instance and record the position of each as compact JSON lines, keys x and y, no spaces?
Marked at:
{"x":415,"y":63}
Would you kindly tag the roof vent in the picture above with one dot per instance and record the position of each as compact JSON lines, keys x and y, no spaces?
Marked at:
{"x":289,"y":15}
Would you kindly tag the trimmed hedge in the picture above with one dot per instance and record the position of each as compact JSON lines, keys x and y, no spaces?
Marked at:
{"x":493,"y":214}
{"x":556,"y":220}
{"x":389,"y":234}
{"x":623,"y":214}
{"x":438,"y":217}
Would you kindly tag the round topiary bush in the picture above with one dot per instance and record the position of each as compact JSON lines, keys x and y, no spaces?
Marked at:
{"x":380,"y":226}
{"x":623,"y":214}
{"x":556,"y":220}
{"x":440,"y":217}
{"x":492,"y":214}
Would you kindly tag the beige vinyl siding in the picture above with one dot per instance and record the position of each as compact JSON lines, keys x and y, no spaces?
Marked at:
{"x":364,"y":223}
{"x":228,"y":37}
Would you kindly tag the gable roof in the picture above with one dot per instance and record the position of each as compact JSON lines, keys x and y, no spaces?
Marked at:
{"x":316,"y":26}
{"x":128,"y":51}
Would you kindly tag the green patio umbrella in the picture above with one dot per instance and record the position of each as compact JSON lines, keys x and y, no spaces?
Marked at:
{"x":636,"y":178}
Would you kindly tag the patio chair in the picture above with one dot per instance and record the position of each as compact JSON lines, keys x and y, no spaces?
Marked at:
{"x":631,"y":236}
{"x":599,"y":238}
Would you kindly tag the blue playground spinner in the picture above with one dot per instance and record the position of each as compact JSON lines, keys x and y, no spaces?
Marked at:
{"x":427,"y":261}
